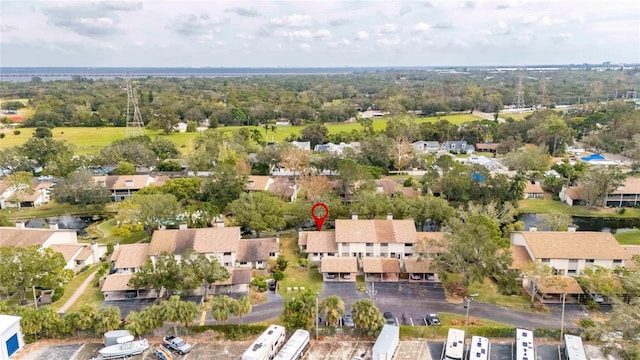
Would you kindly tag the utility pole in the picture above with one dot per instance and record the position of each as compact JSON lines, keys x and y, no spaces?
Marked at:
{"x":466,"y":322}
{"x":564,"y":297}
{"x":316,"y":316}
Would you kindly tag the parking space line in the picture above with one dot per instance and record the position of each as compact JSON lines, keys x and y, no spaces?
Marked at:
{"x":202,"y":318}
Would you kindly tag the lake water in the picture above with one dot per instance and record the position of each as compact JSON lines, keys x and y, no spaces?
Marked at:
{"x":79,"y":223}
{"x":590,"y":223}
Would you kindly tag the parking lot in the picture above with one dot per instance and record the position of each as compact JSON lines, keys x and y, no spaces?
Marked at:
{"x":330,"y":349}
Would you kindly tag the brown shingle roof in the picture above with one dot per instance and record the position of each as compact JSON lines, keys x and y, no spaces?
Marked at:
{"x":388,"y":185}
{"x":339,"y":265}
{"x":130,"y":256}
{"x":256,"y":249}
{"x":630,"y":186}
{"x":321,"y":242}
{"x":257,"y":183}
{"x":124,"y":182}
{"x":486,"y":146}
{"x":85,"y":253}
{"x":378,"y":266}
{"x":520,"y":256}
{"x":236,"y":276}
{"x":573,"y":245}
{"x":375,"y":231}
{"x":68,"y":250}
{"x":574,"y":192}
{"x":572,"y":286}
{"x":10,"y":236}
{"x":533,"y":188}
{"x":409,"y":192}
{"x":302,"y":238}
{"x":205,"y":240}
{"x":419,"y":265}
{"x":117,"y":282}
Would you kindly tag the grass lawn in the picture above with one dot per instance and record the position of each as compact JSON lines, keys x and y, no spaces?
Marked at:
{"x":628,"y":237}
{"x":516,"y":116}
{"x":50,"y":209}
{"x":73,"y":285}
{"x":476,"y":326}
{"x":545,"y":206}
{"x":102,"y":233}
{"x":89,"y":140}
{"x":488,"y":293}
{"x":91,"y":296}
{"x":296,"y":275}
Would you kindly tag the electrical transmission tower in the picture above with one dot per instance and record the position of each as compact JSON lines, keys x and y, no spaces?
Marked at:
{"x":135,"y":125}
{"x":519,"y":96}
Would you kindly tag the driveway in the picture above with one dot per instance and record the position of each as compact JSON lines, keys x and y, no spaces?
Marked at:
{"x":269,"y":310}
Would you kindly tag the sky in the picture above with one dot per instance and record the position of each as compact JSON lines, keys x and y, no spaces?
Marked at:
{"x":327,"y":33}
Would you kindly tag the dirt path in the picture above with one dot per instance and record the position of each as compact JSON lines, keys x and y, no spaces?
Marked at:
{"x":77,"y":294}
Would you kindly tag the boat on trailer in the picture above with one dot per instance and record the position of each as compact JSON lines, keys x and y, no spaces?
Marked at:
{"x":125,"y":347}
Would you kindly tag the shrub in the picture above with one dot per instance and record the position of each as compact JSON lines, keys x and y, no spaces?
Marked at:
{"x":260,"y":283}
{"x":2,"y":135}
{"x":457,"y":289}
{"x":408,"y":182}
{"x":16,"y":132}
{"x":621,"y":211}
{"x":232,"y":331}
{"x":586,"y":323}
{"x":593,"y":305}
{"x":121,"y":232}
{"x":57,"y":293}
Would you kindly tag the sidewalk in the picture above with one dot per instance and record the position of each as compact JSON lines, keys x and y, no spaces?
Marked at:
{"x":77,"y":294}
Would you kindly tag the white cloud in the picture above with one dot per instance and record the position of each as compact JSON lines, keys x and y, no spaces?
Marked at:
{"x":305,"y":47}
{"x":502,"y":25}
{"x":307,"y":34}
{"x":388,"y":28}
{"x":421,"y":28}
{"x":323,"y":34}
{"x":291,"y":21}
{"x":389,"y":41}
{"x":362,"y":35}
{"x":562,"y":36}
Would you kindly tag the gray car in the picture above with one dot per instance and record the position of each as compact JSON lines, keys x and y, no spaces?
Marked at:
{"x":347,"y":321}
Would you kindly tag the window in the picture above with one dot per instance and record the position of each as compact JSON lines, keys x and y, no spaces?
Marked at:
{"x":369,"y":244}
{"x":383,"y":254}
{"x":408,"y":255}
{"x":408,"y":244}
{"x":589,"y":261}
{"x":384,"y":244}
{"x":573,"y":261}
{"x":571,"y":272}
{"x":355,"y":254}
{"x":78,"y":262}
{"x":331,"y":254}
{"x":559,"y":271}
{"x":259,"y":262}
{"x":243,"y":263}
{"x":227,"y":264}
{"x":272,"y":254}
{"x":315,"y":254}
{"x":393,"y":255}
{"x":369,"y":254}
{"x":345,"y":254}
{"x":617,"y":261}
{"x":545,"y":260}
{"x":227,"y":253}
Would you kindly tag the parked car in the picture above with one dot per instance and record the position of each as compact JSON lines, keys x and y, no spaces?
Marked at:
{"x":130,"y":294}
{"x":177,"y":344}
{"x":346,"y":276}
{"x":391,"y":320}
{"x":432,"y":320}
{"x":347,"y":320}
{"x":416,"y":277}
{"x":331,"y":276}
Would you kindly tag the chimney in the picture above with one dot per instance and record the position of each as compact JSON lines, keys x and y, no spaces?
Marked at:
{"x":219,"y":221}
{"x":182,"y":226}
{"x":389,"y":216}
{"x":533,"y":228}
{"x":94,"y":252}
{"x":20,"y":224}
{"x":116,"y":245}
{"x":354,"y":216}
{"x":53,"y":225}
{"x":277,"y":239}
{"x":572,"y":228}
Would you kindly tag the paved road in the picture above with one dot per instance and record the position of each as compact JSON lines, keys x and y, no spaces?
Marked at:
{"x":406,"y":301}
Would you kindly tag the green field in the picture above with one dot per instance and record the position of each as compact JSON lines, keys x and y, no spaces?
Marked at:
{"x":628,"y":237}
{"x":91,"y":140}
{"x":516,"y":116}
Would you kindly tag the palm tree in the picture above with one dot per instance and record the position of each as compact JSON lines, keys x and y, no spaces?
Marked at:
{"x":256,"y":135}
{"x":134,"y":324}
{"x":70,"y":324}
{"x":243,"y":307}
{"x":187,"y":313}
{"x":367,"y":317}
{"x":169,"y":310}
{"x":517,"y":186}
{"x":333,"y":310}
{"x":221,"y":307}
{"x":151,"y":318}
{"x":87,"y":315}
{"x":108,"y":319}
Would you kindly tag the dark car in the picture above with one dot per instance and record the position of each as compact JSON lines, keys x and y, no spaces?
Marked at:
{"x":432,"y":320}
{"x":272,"y":285}
{"x":130,"y":294}
{"x":391,"y":320}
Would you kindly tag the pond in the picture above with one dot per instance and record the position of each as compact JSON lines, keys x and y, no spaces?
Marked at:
{"x":79,"y":223}
{"x":612,"y":225}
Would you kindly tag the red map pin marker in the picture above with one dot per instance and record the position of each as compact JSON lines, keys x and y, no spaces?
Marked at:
{"x":319,"y":219}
